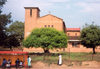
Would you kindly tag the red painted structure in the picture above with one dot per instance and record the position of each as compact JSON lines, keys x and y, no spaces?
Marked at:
{"x":13,"y":52}
{"x":13,"y":55}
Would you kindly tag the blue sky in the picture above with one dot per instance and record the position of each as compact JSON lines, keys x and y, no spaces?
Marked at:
{"x":75,"y":13}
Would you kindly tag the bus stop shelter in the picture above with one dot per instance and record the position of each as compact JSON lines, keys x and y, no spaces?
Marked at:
{"x":13,"y":55}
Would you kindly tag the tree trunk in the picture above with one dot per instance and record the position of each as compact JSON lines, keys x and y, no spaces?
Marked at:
{"x":94,"y":50}
{"x":11,"y":48}
{"x":46,"y":50}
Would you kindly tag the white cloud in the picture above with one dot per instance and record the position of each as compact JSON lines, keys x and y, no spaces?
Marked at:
{"x":59,"y":0}
{"x":17,"y":7}
{"x":61,"y":8}
{"x":93,"y":1}
{"x":89,"y":7}
{"x":85,"y":7}
{"x":68,"y":6}
{"x":35,"y":3}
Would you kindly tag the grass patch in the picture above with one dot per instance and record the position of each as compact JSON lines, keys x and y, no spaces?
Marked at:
{"x":53,"y":57}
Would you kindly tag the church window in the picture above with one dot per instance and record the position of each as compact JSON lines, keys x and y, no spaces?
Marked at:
{"x":51,"y":25}
{"x":45,"y":25}
{"x":30,"y":12}
{"x":48,"y":25}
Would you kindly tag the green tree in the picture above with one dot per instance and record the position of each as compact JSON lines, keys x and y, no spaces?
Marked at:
{"x":46,"y":38}
{"x":11,"y":41}
{"x":90,"y":36}
{"x":2,"y":2}
{"x":4,"y":21}
{"x":16,"y":29}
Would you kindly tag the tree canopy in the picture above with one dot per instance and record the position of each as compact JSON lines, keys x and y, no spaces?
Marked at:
{"x":46,"y":38}
{"x":16,"y":28}
{"x":15,"y":34}
{"x":4,"y":20}
{"x":2,"y":2}
{"x":90,"y":36}
{"x":11,"y":41}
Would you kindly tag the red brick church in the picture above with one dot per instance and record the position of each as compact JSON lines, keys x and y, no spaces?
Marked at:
{"x":33,"y":20}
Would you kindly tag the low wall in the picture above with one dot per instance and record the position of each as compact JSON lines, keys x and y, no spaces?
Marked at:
{"x":68,"y":49}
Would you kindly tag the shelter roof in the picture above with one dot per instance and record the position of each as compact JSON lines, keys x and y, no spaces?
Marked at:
{"x":13,"y":52}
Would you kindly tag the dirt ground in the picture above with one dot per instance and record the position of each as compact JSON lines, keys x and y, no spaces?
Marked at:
{"x":61,"y":68}
{"x":74,"y":65}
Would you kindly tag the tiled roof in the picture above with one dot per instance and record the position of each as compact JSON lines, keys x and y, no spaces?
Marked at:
{"x":51,"y":15}
{"x":72,"y":29}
